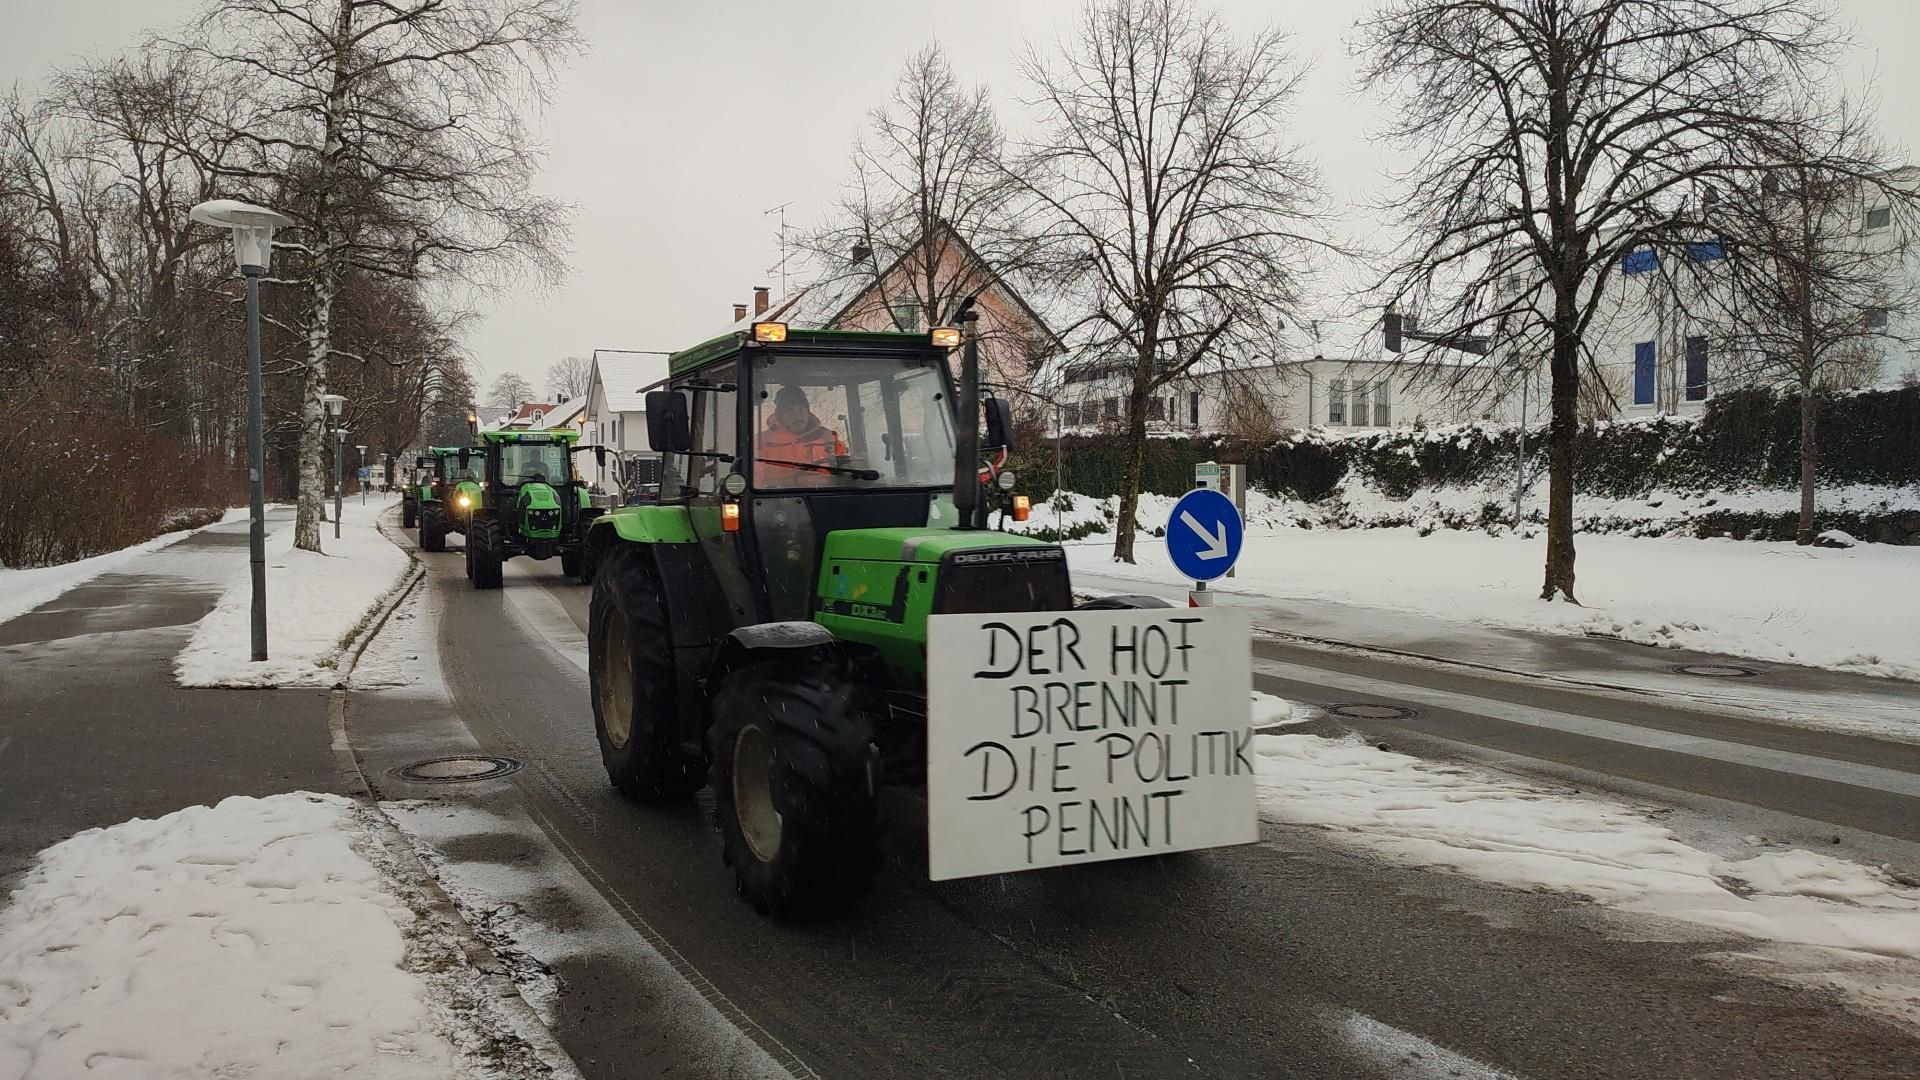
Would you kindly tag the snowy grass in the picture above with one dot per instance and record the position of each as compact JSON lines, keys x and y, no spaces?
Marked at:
{"x":1836,"y":922}
{"x":244,"y":939}
{"x":23,"y":590}
{"x":315,"y":604}
{"x":1854,"y":609}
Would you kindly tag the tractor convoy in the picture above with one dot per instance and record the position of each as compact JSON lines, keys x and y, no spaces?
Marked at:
{"x":759,"y":627}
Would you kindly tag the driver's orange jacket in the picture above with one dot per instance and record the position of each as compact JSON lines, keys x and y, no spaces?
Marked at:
{"x":817,"y":445}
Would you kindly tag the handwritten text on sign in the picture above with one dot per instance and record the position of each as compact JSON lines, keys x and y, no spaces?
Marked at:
{"x":1078,"y":736}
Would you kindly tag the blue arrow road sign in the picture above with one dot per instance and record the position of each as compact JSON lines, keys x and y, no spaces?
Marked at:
{"x":1203,"y":534}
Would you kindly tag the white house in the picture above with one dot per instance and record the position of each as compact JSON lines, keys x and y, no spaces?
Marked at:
{"x":615,"y":409}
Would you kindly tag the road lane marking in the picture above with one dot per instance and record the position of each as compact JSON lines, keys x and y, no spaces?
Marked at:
{"x":540,"y":613}
{"x":1872,"y":777}
{"x":1402,"y":1055}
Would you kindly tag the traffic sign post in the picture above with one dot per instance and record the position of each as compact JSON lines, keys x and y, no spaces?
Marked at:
{"x":1204,"y":534}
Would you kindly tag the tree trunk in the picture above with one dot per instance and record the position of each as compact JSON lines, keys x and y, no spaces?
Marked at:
{"x":1129,"y":516}
{"x":1809,"y":460}
{"x":1560,"y":432}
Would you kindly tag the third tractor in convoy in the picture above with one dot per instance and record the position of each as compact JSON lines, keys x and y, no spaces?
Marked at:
{"x":447,"y":494}
{"x":762,"y":628}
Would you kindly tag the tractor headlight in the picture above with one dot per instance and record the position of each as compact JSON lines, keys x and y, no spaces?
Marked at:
{"x":1006,"y":480}
{"x":461,"y":500}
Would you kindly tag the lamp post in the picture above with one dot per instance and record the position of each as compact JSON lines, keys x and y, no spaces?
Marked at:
{"x":363,"y":474}
{"x":333,"y":403}
{"x":252,"y":230}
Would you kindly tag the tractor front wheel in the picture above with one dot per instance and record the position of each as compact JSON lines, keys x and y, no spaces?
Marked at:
{"x":794,"y":778}
{"x":630,"y":660}
{"x":433,"y":529}
{"x":571,"y":561}
{"x":409,"y":514}
{"x":484,"y":553}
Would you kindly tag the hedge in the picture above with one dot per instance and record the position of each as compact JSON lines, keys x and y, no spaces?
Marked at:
{"x":1742,"y":438}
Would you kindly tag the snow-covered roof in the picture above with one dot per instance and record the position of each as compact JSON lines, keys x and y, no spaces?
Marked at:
{"x":622,"y":377}
{"x":566,"y":412}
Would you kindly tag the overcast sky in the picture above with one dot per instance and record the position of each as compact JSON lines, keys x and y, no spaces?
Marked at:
{"x":689,"y":118}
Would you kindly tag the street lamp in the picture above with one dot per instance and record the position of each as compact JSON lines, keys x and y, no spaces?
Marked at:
{"x":252,"y":229}
{"x":363,"y":474}
{"x":333,"y":404}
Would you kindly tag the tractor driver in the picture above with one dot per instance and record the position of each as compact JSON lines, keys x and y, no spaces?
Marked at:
{"x":796,"y":436}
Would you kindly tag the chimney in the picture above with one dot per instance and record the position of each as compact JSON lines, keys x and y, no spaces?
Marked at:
{"x":739,"y":312}
{"x":760,"y":301}
{"x":861,"y":253}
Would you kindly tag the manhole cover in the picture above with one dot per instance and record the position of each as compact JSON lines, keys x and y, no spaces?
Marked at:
{"x":1372,"y":712}
{"x":1717,"y":671}
{"x":458,"y":770}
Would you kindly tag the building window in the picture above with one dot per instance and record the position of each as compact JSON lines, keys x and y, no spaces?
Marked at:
{"x":1382,"y":413}
{"x":1156,"y":409}
{"x":1337,"y":401}
{"x":1359,"y":404}
{"x":1639,"y":262}
{"x":906,"y":313}
{"x":1193,"y":408}
{"x":1876,"y":318}
{"x":1643,"y":373}
{"x":1696,"y":369}
{"x":1113,"y":408}
{"x":1880,"y":217}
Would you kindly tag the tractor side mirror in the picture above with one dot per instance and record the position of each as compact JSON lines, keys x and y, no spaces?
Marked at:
{"x":999,"y":423}
{"x":600,"y":456}
{"x":669,"y":427}
{"x":464,"y":456}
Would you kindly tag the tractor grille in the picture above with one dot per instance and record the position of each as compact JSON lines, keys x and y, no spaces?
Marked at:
{"x":1003,"y":579}
{"x":543,"y":519}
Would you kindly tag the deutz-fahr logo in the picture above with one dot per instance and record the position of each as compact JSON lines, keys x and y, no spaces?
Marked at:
{"x":1020,"y":555}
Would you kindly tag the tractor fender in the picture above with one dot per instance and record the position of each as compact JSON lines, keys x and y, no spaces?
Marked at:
{"x":797,"y":642}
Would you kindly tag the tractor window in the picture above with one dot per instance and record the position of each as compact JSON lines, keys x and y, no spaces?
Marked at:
{"x":833,"y":421}
{"x":714,"y":432}
{"x":522,"y":463}
{"x":456,"y":472}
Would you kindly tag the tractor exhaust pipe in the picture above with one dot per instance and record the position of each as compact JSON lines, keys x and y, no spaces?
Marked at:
{"x":966,"y":455}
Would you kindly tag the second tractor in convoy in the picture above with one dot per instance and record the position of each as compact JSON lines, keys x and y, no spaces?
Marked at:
{"x":534,"y":504}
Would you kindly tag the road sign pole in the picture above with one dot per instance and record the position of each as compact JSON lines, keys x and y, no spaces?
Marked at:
{"x":1200,"y":595}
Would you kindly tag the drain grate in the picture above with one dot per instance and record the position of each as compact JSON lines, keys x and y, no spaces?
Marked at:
{"x":458,"y":770}
{"x":1366,"y":711}
{"x":1717,"y":671}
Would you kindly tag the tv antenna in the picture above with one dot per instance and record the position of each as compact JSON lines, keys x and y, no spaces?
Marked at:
{"x":782,"y":211}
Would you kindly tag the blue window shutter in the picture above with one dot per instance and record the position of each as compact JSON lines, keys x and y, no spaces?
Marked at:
{"x":1643,"y":373}
{"x":1696,"y":369}
{"x":1706,"y":252}
{"x":1639,"y":262}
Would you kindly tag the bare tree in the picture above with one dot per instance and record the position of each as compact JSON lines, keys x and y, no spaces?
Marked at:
{"x":1816,"y":282}
{"x":569,"y":377}
{"x":1172,"y":196}
{"x":931,"y":214}
{"x":509,"y":390}
{"x":1550,"y":138}
{"x":390,"y":131}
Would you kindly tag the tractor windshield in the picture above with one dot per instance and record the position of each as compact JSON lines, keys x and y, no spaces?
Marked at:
{"x":522,"y":463}
{"x":851,"y":422}
{"x":455,"y":472}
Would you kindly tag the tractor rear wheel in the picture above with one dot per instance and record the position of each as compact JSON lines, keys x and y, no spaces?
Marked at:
{"x":484,"y":552}
{"x":409,"y":513}
{"x":433,"y":529}
{"x":630,"y":669}
{"x":794,"y":778}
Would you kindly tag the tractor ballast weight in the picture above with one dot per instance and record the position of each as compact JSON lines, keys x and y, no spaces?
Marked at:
{"x":763,"y":627}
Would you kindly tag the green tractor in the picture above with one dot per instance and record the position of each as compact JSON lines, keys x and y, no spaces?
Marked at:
{"x":448,"y":493}
{"x":536,"y":504}
{"x":762,"y":628}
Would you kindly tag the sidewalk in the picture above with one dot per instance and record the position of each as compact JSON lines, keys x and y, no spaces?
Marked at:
{"x":259,"y":921}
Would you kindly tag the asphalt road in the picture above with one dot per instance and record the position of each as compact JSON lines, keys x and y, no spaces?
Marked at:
{"x":1286,"y":958}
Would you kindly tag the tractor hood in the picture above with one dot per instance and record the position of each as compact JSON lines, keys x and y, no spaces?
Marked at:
{"x":539,"y":507}
{"x":538,"y":496}
{"x":922,"y":545}
{"x":472,"y":490}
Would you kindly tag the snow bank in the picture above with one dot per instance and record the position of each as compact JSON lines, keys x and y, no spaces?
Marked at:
{"x":315,"y":604}
{"x":23,"y":590}
{"x":244,"y":939}
{"x":1848,"y":925}
{"x":1855,"y":609}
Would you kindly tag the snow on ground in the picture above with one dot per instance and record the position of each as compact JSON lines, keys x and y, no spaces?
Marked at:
{"x":1854,"y":609}
{"x":245,"y":939}
{"x":315,"y":605}
{"x":23,"y":590}
{"x":1835,"y":922}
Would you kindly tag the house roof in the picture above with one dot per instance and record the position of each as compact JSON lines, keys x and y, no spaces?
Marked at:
{"x":623,"y":376}
{"x":566,"y":412}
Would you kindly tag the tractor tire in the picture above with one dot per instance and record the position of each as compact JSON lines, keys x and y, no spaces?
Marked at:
{"x":571,"y":563}
{"x":794,"y":778}
{"x":409,"y":514}
{"x":484,"y":545}
{"x":631,"y":674}
{"x":433,"y":529}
